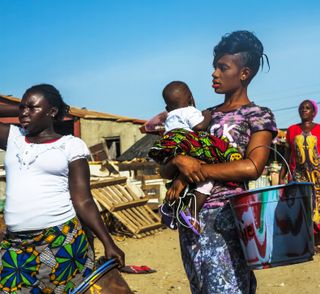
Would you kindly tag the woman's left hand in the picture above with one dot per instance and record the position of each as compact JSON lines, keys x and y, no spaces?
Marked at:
{"x":190,"y":167}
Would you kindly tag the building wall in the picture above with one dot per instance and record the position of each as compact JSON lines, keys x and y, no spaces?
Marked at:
{"x":94,"y":130}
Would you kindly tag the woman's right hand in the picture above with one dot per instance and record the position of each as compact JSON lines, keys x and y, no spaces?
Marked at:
{"x":111,"y":250}
{"x":190,"y":167}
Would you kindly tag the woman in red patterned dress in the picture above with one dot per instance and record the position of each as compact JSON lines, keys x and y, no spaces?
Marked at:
{"x":303,"y":149}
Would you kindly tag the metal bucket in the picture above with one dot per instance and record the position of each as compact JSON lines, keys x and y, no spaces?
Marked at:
{"x":275,"y":224}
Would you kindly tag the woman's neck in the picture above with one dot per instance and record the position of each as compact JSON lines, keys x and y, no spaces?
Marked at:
{"x":236,"y":99}
{"x":307,"y":125}
{"x":43,"y":136}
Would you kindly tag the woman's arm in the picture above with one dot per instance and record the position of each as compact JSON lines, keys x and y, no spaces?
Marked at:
{"x":247,"y":169}
{"x":86,"y":209}
{"x":6,"y":110}
{"x":9,"y":110}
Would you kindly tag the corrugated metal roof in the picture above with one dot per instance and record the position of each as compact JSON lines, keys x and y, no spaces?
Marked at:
{"x":139,"y":149}
{"x":85,"y":113}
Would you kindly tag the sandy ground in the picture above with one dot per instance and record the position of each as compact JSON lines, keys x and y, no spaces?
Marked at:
{"x":161,"y":252}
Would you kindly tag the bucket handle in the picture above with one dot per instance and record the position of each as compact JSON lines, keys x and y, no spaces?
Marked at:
{"x":284,"y":160}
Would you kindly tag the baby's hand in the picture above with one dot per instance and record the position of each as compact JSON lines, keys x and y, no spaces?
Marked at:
{"x":177,"y":186}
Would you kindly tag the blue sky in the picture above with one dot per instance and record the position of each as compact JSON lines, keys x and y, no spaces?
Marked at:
{"x":116,"y":56}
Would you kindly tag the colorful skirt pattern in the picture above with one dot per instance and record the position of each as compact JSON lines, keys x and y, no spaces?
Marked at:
{"x":200,"y":145}
{"x":53,"y":260}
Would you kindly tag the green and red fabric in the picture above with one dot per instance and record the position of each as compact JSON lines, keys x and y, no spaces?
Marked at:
{"x":200,"y":145}
{"x":54,"y":260}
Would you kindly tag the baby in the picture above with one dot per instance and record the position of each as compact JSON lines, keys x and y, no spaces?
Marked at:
{"x":185,"y":134}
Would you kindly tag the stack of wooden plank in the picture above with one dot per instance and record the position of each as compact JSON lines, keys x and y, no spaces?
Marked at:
{"x":121,"y":199}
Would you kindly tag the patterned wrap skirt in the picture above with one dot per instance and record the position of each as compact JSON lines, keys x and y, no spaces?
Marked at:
{"x":214,"y":261}
{"x":53,"y":260}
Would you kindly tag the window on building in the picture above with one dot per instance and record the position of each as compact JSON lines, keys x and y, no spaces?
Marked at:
{"x":113,"y":147}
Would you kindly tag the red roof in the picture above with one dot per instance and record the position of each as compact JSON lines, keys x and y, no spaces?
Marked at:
{"x":83,"y":113}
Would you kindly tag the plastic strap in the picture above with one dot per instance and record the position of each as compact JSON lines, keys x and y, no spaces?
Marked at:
{"x":89,"y":281}
{"x":284,"y":160}
{"x":254,"y":165}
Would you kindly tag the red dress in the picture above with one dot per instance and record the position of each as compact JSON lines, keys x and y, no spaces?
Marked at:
{"x":304,"y":160}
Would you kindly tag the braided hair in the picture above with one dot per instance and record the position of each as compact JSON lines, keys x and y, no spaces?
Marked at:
{"x":52,"y":95}
{"x":247,"y":45}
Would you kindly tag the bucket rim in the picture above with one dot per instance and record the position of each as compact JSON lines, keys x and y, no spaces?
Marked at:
{"x":269,"y":188}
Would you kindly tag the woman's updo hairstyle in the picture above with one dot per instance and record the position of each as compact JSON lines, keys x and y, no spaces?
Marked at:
{"x":247,"y":45}
{"x":52,"y":95}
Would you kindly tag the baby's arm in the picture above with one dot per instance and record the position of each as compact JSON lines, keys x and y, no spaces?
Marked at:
{"x":205,"y":123}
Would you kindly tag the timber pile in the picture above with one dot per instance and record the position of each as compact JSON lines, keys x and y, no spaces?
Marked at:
{"x":122,"y":201}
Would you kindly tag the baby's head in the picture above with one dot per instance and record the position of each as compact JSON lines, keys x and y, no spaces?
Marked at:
{"x":177,"y":95}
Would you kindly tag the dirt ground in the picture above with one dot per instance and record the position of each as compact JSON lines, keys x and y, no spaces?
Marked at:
{"x":161,"y":252}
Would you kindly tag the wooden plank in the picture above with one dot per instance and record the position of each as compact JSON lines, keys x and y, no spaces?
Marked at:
{"x":131,"y":210}
{"x":101,"y":198}
{"x":120,"y":191}
{"x":131,"y":204}
{"x":122,"y":217}
{"x":141,"y":217}
{"x":108,"y":182}
{"x":118,"y":194}
{"x":155,"y":216}
{"x":142,"y":212}
{"x":136,"y":218}
{"x":114,"y":195}
{"x":107,"y":195}
{"x":123,"y":190}
{"x":132,"y":218}
{"x":131,"y":192}
{"x":149,"y":227}
{"x":135,"y":190}
{"x":145,"y":214}
{"x":101,"y":202}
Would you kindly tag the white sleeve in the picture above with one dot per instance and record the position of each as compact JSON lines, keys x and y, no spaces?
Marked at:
{"x":194,"y":117}
{"x":14,"y":132}
{"x":76,"y":149}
